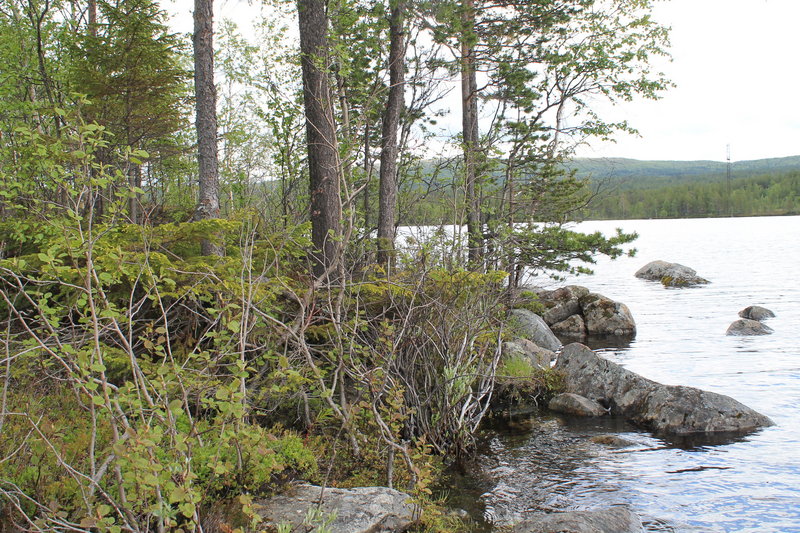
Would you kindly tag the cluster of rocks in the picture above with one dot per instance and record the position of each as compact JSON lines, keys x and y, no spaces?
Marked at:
{"x":751,"y":322}
{"x":575,"y":312}
{"x":670,"y":274}
{"x":596,"y":386}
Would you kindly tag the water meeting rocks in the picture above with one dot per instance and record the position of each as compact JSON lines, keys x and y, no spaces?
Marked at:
{"x":575,"y":404}
{"x":531,"y":326}
{"x":611,"y":520}
{"x":745,"y":327}
{"x":664,"y":409}
{"x":357,"y":510}
{"x":574,"y":311}
{"x":670,"y":274}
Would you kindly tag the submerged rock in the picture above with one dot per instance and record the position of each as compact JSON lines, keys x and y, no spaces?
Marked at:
{"x":745,"y":326}
{"x":675,"y":410}
{"x":755,"y":312}
{"x":611,"y":520}
{"x":670,"y":274}
{"x":531,"y":326}
{"x":357,"y":510}
{"x":612,"y":440}
{"x":575,"y":404}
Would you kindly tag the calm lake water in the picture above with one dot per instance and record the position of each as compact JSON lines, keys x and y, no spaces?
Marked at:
{"x":751,"y":484}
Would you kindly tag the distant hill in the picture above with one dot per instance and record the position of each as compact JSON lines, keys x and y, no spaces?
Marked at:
{"x":634,"y":174}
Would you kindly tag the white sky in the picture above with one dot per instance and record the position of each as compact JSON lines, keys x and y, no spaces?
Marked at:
{"x":735,"y":64}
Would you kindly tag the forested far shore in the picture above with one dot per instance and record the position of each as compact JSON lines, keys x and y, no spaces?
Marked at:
{"x":762,"y":195}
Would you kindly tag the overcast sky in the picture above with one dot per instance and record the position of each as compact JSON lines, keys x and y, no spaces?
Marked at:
{"x":736,"y":67}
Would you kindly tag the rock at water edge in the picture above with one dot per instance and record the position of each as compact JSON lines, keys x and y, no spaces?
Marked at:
{"x":660,"y":408}
{"x":574,"y":404}
{"x":574,"y":326}
{"x":357,"y":510}
{"x":604,"y":316}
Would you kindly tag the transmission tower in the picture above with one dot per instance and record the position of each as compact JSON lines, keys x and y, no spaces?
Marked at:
{"x":730,"y":203}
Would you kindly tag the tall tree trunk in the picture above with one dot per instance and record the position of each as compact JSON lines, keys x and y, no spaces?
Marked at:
{"x":92,"y":14}
{"x":206,"y":119}
{"x":391,"y":122}
{"x":323,"y":160}
{"x":469,"y":110}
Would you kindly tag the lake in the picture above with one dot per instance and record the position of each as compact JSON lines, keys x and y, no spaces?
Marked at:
{"x":751,"y":484}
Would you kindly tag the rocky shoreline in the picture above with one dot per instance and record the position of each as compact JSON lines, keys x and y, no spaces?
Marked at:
{"x":594,"y":387}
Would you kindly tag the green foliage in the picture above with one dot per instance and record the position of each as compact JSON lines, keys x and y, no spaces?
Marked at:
{"x":556,"y":249}
{"x":767,"y":194}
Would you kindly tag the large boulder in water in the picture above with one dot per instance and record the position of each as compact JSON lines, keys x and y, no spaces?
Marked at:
{"x":670,"y":274}
{"x":755,"y":312}
{"x":531,"y":326}
{"x":604,"y":316}
{"x":664,"y":409}
{"x":357,"y":510}
{"x":611,"y":520}
{"x":745,"y":327}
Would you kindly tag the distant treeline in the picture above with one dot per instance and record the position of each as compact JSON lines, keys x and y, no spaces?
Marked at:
{"x":766,"y":194}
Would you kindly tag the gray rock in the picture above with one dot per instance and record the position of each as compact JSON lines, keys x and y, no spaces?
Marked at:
{"x":537,"y":355}
{"x":604,"y":316}
{"x":574,"y":404}
{"x":357,"y":510}
{"x":745,"y":326}
{"x":611,"y":520}
{"x":666,"y":409}
{"x":531,"y":326}
{"x":561,"y":311}
{"x":612,"y":440}
{"x":670,"y":274}
{"x":755,"y":312}
{"x":574,"y":326}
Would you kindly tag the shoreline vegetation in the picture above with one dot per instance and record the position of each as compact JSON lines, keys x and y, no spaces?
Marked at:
{"x":194,"y":309}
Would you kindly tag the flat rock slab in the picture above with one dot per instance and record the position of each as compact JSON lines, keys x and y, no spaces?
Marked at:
{"x":612,"y":520}
{"x":665,"y":409}
{"x":357,"y":510}
{"x":756,"y":312}
{"x":670,"y":274}
{"x":574,"y":404}
{"x":745,"y":327}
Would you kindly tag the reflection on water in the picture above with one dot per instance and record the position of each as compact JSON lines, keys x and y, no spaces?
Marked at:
{"x":740,"y":483}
